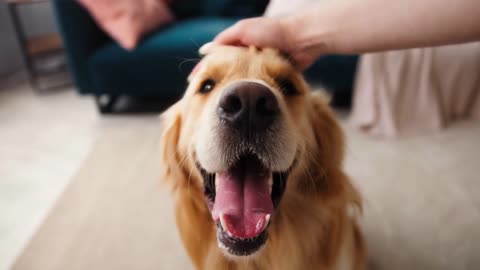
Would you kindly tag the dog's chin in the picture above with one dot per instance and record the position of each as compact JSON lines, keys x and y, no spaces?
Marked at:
{"x":242,"y":200}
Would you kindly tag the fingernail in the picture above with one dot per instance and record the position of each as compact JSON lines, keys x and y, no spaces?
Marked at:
{"x":205,"y":48}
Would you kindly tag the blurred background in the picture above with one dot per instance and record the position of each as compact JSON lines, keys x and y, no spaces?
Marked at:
{"x":82,"y":84}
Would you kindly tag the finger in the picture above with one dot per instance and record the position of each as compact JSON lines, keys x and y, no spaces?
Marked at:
{"x":230,"y":36}
{"x":303,"y":64}
{"x":206,"y":48}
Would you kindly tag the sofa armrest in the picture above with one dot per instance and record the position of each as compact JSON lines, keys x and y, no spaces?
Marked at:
{"x":81,"y":38}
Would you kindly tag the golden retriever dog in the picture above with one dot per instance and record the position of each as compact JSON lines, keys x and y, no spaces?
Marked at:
{"x":254,"y":160}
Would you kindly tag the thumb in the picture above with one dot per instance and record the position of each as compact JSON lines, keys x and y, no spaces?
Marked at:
{"x":231,"y":36}
{"x":302,"y":60}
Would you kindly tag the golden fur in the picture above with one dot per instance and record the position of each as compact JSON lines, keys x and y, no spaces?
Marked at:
{"x":313,"y":227}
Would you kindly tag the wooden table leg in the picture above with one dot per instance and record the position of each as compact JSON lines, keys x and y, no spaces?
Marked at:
{"x":21,"y":38}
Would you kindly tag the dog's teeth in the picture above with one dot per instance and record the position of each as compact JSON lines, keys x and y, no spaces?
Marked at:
{"x":267,"y":220}
{"x":223,"y":223}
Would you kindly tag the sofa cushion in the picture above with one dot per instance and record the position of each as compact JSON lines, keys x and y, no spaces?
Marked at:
{"x":127,"y":20}
{"x":159,"y":65}
{"x":238,"y":8}
{"x":218,"y":8}
{"x":335,"y":72}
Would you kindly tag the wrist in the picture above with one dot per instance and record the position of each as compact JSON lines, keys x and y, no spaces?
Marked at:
{"x":306,"y":36}
{"x":288,"y":24}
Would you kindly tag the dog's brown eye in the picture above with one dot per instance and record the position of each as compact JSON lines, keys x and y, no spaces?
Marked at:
{"x":287,"y":87}
{"x":207,"y":86}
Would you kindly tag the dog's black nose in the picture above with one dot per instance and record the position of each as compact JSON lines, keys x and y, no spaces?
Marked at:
{"x":248,"y":106}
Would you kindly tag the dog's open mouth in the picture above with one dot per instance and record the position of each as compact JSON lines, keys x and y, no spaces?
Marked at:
{"x":242,"y":200}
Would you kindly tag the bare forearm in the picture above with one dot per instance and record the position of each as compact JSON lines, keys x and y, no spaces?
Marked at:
{"x":357,"y":26}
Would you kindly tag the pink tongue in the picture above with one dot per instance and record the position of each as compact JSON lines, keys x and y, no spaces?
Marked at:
{"x":243,"y":197}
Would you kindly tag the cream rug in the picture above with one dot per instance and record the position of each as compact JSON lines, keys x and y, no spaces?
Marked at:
{"x":115,"y":214}
{"x":422,"y":210}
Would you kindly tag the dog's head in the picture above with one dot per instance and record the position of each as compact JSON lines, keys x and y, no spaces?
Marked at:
{"x":247,"y":133}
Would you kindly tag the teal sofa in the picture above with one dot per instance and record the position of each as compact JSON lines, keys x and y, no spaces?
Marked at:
{"x":158,"y":67}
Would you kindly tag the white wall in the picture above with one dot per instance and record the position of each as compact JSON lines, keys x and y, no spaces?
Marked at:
{"x":36,"y":18}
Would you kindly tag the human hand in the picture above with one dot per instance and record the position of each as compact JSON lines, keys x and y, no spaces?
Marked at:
{"x":266,"y":32}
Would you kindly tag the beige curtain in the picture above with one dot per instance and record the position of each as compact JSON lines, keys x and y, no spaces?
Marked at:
{"x":417,"y":91}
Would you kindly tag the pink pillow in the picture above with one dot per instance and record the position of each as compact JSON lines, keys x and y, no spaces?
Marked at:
{"x":127,"y":20}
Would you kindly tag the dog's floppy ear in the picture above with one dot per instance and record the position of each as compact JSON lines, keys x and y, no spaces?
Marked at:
{"x":328,"y":134}
{"x":330,"y":142}
{"x":169,"y":155}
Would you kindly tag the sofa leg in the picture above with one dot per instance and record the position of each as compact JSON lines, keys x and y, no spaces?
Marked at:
{"x":105,"y":103}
